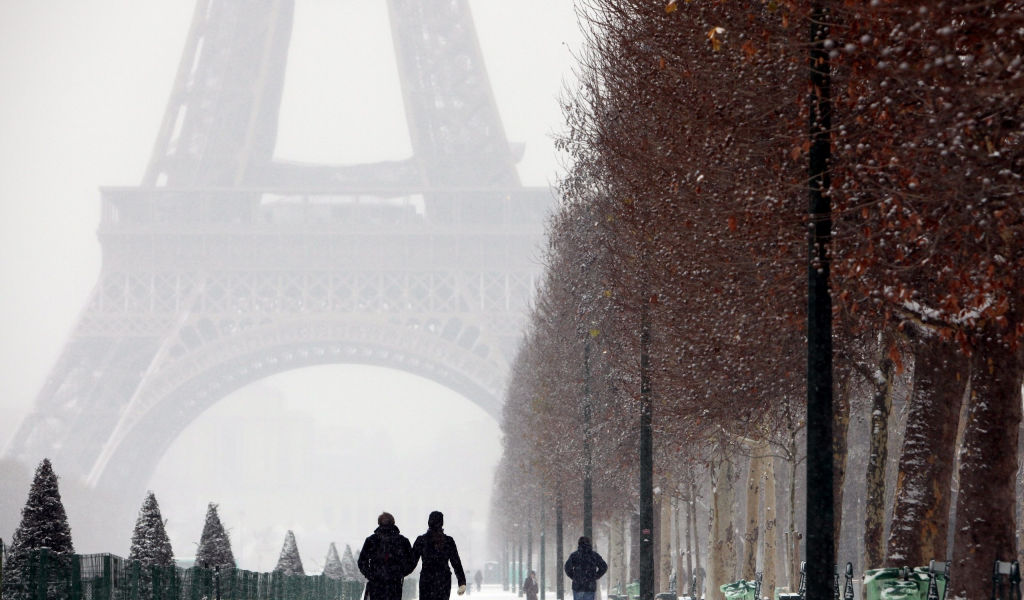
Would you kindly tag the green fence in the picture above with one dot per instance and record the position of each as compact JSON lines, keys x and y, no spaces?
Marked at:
{"x":108,"y":577}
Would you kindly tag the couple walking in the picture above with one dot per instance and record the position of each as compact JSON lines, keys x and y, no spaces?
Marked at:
{"x":584,"y":568}
{"x":387,"y":557}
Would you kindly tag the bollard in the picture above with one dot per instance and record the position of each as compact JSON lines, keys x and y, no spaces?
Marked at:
{"x":135,"y":580}
{"x":28,"y":583}
{"x":44,"y":560}
{"x":174,"y":585}
{"x":154,"y":582}
{"x":76,"y":577}
{"x":106,"y":585}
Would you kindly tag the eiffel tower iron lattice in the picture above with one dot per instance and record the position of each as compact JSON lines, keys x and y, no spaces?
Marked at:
{"x":225,"y":266}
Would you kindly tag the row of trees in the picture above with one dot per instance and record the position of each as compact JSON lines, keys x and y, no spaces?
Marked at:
{"x":44,"y":524}
{"x":677,"y":266}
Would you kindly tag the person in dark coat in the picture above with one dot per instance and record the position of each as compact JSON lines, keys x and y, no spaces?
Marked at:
{"x":385,"y":560}
{"x":479,"y":579}
{"x":530,"y":586}
{"x":585,"y":567}
{"x":437,"y":550}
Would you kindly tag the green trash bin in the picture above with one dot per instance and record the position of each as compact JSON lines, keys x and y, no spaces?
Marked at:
{"x":739,"y":590}
{"x":889,"y":584}
{"x":877,"y":580}
{"x":633,"y":590}
{"x":902,"y":590}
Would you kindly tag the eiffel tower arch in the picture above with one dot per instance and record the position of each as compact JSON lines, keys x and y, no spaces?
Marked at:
{"x":225,"y":266}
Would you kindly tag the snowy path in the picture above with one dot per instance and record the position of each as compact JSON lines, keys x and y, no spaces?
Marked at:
{"x":489,"y":592}
{"x":494,"y":592}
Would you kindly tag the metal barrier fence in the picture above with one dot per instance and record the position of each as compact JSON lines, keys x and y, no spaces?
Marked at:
{"x":109,"y":577}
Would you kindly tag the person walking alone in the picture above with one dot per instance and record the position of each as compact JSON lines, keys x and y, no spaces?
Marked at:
{"x":385,"y":560}
{"x":585,"y":567}
{"x":437,"y":550}
{"x":530,"y":586}
{"x":479,"y":579}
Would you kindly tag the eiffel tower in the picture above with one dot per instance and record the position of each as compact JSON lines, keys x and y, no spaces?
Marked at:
{"x":225,"y":266}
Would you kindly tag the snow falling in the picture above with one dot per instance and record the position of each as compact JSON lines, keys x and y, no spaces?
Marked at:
{"x":703,"y":299}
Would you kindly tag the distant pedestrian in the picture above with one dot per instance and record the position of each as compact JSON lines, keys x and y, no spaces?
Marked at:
{"x":479,"y":579}
{"x":437,"y":550}
{"x":585,"y":567}
{"x":385,"y":560}
{"x":530,"y":586}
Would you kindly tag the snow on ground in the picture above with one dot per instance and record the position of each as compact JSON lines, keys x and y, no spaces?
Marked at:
{"x":494,"y":592}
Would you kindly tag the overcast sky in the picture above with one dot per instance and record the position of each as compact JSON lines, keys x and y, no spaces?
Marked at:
{"x":84,"y":86}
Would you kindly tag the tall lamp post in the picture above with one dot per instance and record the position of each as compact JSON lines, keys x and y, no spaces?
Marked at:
{"x":646,"y":460}
{"x":820,"y":518}
{"x":588,"y":458}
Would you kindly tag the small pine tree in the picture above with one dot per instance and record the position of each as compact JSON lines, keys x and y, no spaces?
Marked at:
{"x":150,"y":544}
{"x":214,"y":546}
{"x":44,"y":524}
{"x":332,"y":564}
{"x":289,"y":562}
{"x":349,"y":566}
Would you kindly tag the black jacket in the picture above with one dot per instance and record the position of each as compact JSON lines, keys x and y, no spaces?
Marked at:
{"x":386,"y":558}
{"x":435,"y":576}
{"x":585,"y":567}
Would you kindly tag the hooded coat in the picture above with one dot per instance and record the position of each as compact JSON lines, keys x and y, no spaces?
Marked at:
{"x":437,"y":550}
{"x":385,"y":560}
{"x":585,"y":567}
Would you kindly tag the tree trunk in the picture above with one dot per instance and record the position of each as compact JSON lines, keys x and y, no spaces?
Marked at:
{"x":655,"y":545}
{"x":874,"y":511}
{"x":559,"y":549}
{"x":751,"y":535}
{"x":701,"y":577}
{"x":988,"y":468}
{"x":689,"y":546}
{"x":771,"y":529}
{"x":665,"y":543}
{"x":634,"y":547}
{"x":714,"y":551}
{"x":613,"y":557}
{"x":920,"y":519}
{"x":794,"y":543}
{"x":677,"y":542}
{"x":618,"y":577}
{"x":840,"y":432}
{"x":722,"y":541}
{"x":1020,"y":493}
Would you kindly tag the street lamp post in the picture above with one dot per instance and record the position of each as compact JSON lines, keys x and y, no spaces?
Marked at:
{"x":646,"y":461}
{"x":820,"y":517}
{"x":588,"y":465}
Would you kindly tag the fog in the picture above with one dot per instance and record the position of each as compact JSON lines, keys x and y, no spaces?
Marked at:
{"x":319,"y":450}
